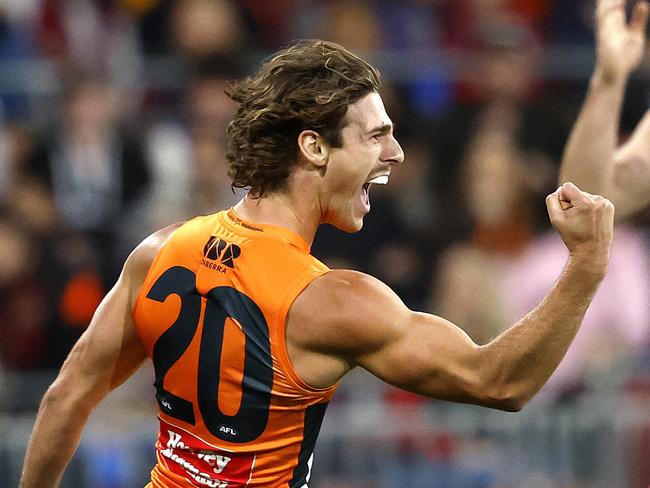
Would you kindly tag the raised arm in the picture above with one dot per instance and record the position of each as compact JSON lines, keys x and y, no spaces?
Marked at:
{"x":345,"y":319}
{"x":589,"y":158}
{"x":630,"y":185}
{"x":105,"y":356}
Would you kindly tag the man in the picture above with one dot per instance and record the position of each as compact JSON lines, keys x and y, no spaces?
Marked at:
{"x":250,"y":335}
{"x":591,"y":158}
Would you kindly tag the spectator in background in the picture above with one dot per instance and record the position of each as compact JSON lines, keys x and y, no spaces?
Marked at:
{"x":500,"y":92}
{"x":621,"y":172}
{"x":50,"y":283}
{"x":571,"y":22}
{"x":92,"y":168}
{"x":494,"y":152}
{"x":204,"y":28}
{"x":92,"y":36}
{"x":210,"y":39}
{"x":27,"y":216}
{"x":497,"y":197}
{"x":353,"y":24}
{"x":196,"y":29}
{"x":505,"y":267}
{"x":498,"y":275}
{"x":211,"y":111}
{"x":188,"y":152}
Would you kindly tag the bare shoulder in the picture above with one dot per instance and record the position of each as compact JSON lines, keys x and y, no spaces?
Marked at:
{"x":346,"y":312}
{"x":351,"y":288}
{"x":139,"y":261}
{"x":346,"y":291}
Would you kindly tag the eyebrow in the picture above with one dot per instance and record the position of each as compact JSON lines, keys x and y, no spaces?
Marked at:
{"x":382,"y":129}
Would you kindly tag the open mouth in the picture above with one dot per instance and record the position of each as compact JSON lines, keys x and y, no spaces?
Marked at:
{"x":365,"y":198}
{"x":379,"y":180}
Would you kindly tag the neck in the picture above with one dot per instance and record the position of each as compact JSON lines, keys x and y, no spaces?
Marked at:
{"x":287,"y":210}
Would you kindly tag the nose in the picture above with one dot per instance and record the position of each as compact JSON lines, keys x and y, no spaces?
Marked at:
{"x":394,"y":152}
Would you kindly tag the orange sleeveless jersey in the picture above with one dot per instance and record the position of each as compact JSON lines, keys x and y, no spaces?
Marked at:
{"x":211,"y":315}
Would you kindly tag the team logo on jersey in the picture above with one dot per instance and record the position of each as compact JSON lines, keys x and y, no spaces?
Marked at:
{"x":219,"y":250}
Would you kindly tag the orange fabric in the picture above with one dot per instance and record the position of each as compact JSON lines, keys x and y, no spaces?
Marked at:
{"x":206,"y":352}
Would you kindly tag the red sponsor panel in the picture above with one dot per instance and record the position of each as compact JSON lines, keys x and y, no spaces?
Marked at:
{"x":203,"y":464}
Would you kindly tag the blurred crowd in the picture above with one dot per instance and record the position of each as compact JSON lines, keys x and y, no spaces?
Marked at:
{"x":113,"y":124}
{"x":128,"y":135}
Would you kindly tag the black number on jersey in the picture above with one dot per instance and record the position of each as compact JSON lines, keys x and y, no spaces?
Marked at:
{"x":223,"y":302}
{"x":171,"y":345}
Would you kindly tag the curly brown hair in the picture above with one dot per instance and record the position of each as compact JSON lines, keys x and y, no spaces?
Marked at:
{"x":309,"y":85}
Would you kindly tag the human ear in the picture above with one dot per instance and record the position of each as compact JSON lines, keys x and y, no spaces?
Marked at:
{"x":313,"y":148}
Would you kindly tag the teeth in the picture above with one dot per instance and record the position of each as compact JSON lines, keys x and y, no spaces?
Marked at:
{"x":380,"y":180}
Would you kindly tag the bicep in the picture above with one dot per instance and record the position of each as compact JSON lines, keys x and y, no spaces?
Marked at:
{"x":363,"y":322}
{"x":428,"y":355}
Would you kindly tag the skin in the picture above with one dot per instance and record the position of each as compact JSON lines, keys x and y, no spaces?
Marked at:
{"x":592,"y":159}
{"x":345,"y":319}
{"x":105,"y":356}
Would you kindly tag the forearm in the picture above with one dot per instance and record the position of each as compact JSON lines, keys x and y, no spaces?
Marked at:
{"x":630,"y":190}
{"x":55,"y":438}
{"x":105,"y":356}
{"x":588,"y":156}
{"x":522,"y":358}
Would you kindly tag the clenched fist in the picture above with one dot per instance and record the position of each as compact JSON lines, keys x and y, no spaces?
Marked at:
{"x":584,"y":221}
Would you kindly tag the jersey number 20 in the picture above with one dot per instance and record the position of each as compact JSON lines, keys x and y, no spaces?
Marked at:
{"x":222,"y":302}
